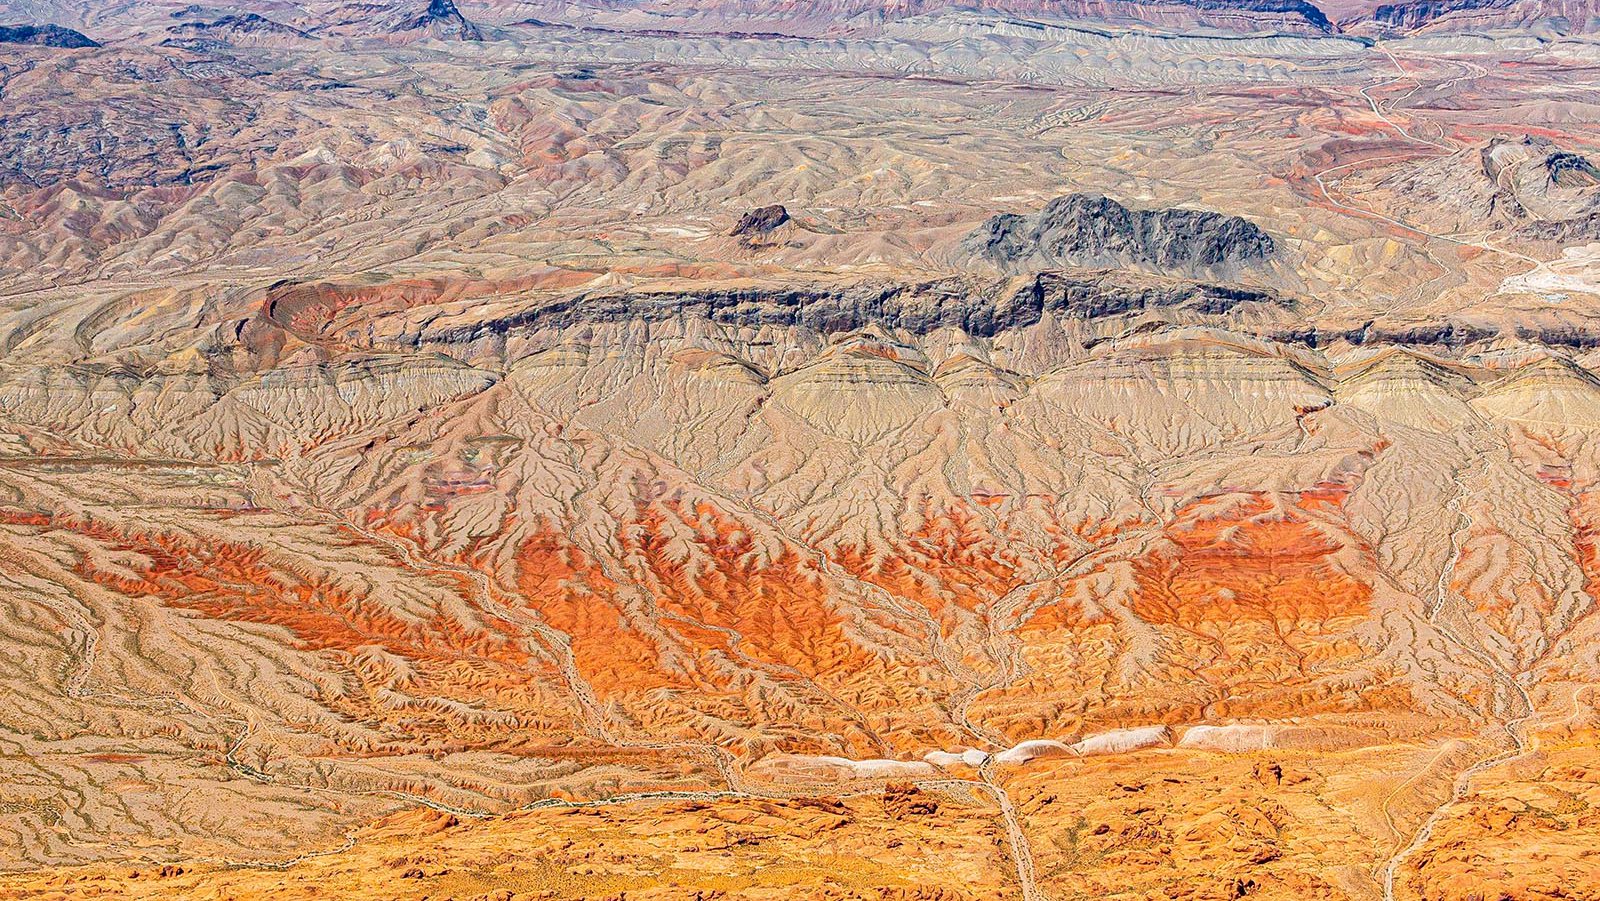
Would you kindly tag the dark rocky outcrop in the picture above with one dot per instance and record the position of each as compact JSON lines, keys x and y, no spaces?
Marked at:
{"x":981,"y":308}
{"x":1411,"y":16}
{"x":441,"y":19}
{"x":1569,"y":170}
{"x":247,"y":28}
{"x":1091,"y":230}
{"x":760,"y":221}
{"x":1474,"y":15}
{"x":45,"y":36}
{"x":1564,"y":231}
{"x":1309,"y":13}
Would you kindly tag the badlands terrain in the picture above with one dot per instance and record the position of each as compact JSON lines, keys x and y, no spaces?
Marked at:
{"x":913,"y":451}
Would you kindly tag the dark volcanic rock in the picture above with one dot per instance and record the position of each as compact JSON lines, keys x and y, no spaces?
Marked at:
{"x":1569,"y":170}
{"x":45,"y":36}
{"x":982,"y":308}
{"x":1090,"y":230}
{"x":233,"y":28}
{"x":1449,"y":333}
{"x":1411,"y":16}
{"x":1310,"y":13}
{"x":760,"y":221}
{"x":1476,"y":15}
{"x":440,"y":20}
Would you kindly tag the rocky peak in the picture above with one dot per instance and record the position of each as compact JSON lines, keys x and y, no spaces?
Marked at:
{"x":45,"y":36}
{"x":1093,"y":230}
{"x":760,"y":221}
{"x":440,"y":20}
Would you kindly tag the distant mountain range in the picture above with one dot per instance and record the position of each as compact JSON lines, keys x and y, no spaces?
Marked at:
{"x":1290,"y":16}
{"x":257,"y":21}
{"x":43,"y":35}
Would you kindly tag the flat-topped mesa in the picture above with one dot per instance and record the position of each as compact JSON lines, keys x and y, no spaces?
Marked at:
{"x":1093,"y":230}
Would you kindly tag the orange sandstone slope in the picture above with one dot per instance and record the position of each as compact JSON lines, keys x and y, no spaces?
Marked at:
{"x":410,"y":488}
{"x":1275,"y":824}
{"x":638,"y":567}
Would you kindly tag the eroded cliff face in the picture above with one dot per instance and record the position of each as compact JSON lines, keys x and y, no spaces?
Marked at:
{"x":746,"y":543}
{"x":1436,"y":16}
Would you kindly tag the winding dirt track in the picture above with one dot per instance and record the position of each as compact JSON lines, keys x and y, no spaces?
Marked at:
{"x":1379,"y":110}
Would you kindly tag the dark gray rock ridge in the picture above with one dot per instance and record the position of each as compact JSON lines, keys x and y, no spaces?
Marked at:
{"x":759,"y":221}
{"x":980,"y":308}
{"x":443,"y":19}
{"x":1093,"y":230}
{"x":45,"y":36}
{"x":233,"y":25}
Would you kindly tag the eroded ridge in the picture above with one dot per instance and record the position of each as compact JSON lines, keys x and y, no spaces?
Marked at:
{"x":928,"y":454}
{"x":621,"y":569}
